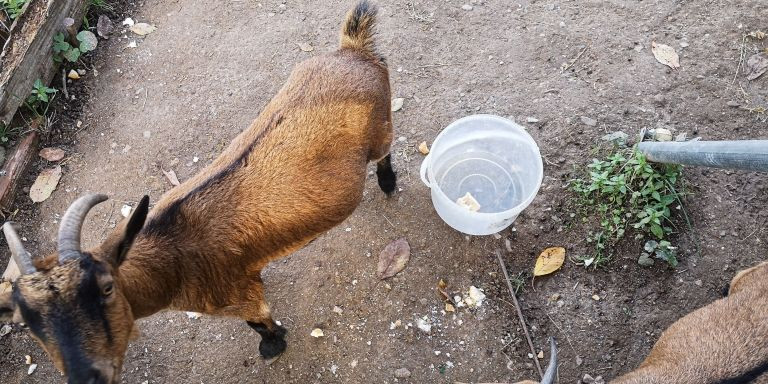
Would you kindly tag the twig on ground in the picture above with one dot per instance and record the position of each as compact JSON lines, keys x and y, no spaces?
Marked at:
{"x":64,"y":83}
{"x":569,"y":66}
{"x":564,"y":334}
{"x":519,"y":312}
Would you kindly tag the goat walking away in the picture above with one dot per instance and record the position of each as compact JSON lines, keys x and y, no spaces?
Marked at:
{"x":298,"y":171}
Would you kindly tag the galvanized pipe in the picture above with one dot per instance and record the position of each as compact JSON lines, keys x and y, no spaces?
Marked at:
{"x":748,"y":155}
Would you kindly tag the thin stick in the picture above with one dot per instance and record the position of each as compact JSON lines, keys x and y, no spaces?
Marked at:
{"x":64,"y":83}
{"x":519,"y":313}
{"x":742,"y":54}
{"x":567,"y":67}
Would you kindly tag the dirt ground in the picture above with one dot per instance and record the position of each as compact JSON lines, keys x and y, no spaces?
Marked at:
{"x":204,"y":75}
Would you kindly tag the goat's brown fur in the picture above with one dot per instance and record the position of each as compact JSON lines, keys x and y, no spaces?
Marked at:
{"x":298,"y":171}
{"x":723,"y":342}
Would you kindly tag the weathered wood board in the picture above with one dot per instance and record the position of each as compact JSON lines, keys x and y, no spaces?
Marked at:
{"x":28,"y":53}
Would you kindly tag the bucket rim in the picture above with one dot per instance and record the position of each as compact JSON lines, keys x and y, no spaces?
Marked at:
{"x":511,"y":124}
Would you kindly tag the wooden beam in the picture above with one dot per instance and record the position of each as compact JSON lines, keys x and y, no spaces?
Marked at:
{"x":28,"y":53}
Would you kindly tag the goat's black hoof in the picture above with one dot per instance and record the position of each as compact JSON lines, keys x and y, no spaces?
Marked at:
{"x":272,"y":347}
{"x":272,"y":343}
{"x":726,"y":290}
{"x":388,"y":184}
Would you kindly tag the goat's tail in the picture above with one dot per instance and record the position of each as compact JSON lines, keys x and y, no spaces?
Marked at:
{"x":357,"y":32}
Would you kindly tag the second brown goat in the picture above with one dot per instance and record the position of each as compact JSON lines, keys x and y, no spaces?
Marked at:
{"x":725,"y":342}
{"x":298,"y":171}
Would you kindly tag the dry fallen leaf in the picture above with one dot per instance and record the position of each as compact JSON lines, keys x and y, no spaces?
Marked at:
{"x":52,"y":154}
{"x":393,"y":258}
{"x":143,"y":29}
{"x":171,"y":176}
{"x":757,"y":64}
{"x":317,"y":332}
{"x":441,"y":291}
{"x":104,"y":26}
{"x":397,"y":104}
{"x":305,"y":47}
{"x":549,"y":261}
{"x":449,"y":307}
{"x":45,"y":183}
{"x":666,"y":55}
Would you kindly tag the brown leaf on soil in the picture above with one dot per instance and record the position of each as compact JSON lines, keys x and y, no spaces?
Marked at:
{"x":757,"y":65}
{"x":442,"y":293}
{"x":171,"y":176}
{"x":45,"y":184}
{"x":52,"y":154}
{"x":393,"y":258}
{"x":549,"y":261}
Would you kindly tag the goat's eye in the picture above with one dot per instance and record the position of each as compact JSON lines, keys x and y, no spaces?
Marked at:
{"x":107,"y":290}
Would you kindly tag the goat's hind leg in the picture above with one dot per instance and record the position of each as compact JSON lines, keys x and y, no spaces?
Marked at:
{"x":386,"y":175}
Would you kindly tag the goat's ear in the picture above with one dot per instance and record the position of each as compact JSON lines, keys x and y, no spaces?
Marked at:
{"x":7,"y":307}
{"x":131,"y":229}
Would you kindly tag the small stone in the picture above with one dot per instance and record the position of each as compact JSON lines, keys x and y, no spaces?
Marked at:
{"x":540,"y":355}
{"x":194,"y":315}
{"x":397,"y":104}
{"x":317,"y":332}
{"x":698,"y":283}
{"x":587,"y":379}
{"x":684,"y":44}
{"x":125,"y":210}
{"x":6,"y":329}
{"x":31,"y":369}
{"x":662,"y":134}
{"x":337,"y":310}
{"x":27,"y":359}
{"x":353,"y":364}
{"x":73,"y":74}
{"x":733,"y":104}
{"x":659,"y":99}
{"x":595,"y":297}
{"x":467,"y":7}
{"x":617,"y":137}
{"x":579,"y":361}
{"x":423,"y":148}
{"x":532,"y":120}
{"x":449,"y":307}
{"x":195,"y":159}
{"x":723,"y":233}
{"x":424,"y":326}
{"x":402,"y":373}
{"x":147,"y":134}
{"x":588,"y":121}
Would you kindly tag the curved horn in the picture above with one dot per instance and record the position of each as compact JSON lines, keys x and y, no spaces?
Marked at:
{"x":20,"y":255}
{"x":72,"y":223}
{"x":551,"y":373}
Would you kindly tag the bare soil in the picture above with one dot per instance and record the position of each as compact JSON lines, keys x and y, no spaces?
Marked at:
{"x":204,"y":75}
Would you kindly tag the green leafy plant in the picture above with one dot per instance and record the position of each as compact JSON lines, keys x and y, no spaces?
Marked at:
{"x":625,"y":192}
{"x":660,"y":250}
{"x":13,"y":7}
{"x":40,"y":95}
{"x":102,"y":5}
{"x":6,"y":133}
{"x":63,"y":50}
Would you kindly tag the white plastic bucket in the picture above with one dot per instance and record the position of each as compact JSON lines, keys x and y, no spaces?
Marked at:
{"x":493,"y":159}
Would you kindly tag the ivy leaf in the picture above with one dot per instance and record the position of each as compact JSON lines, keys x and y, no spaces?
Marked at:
{"x":72,"y":55}
{"x":657,"y":231}
{"x":88,"y":41}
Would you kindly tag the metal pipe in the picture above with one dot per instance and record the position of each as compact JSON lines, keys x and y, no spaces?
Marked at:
{"x":748,"y":155}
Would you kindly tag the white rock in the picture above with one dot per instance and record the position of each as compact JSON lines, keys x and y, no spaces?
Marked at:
{"x":317,"y":332}
{"x":424,"y":325}
{"x":397,"y":104}
{"x":476,"y":295}
{"x":128,"y":21}
{"x":31,"y":369}
{"x":194,"y":315}
{"x":467,"y":7}
{"x":125,"y":210}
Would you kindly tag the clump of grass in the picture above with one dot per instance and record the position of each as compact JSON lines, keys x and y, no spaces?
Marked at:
{"x":624,"y":193}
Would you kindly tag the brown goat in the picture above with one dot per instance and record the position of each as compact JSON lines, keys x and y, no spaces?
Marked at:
{"x":298,"y":171}
{"x":725,"y":342}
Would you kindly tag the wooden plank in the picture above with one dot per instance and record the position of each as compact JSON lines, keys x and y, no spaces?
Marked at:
{"x":15,"y":167}
{"x":28,"y":54}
